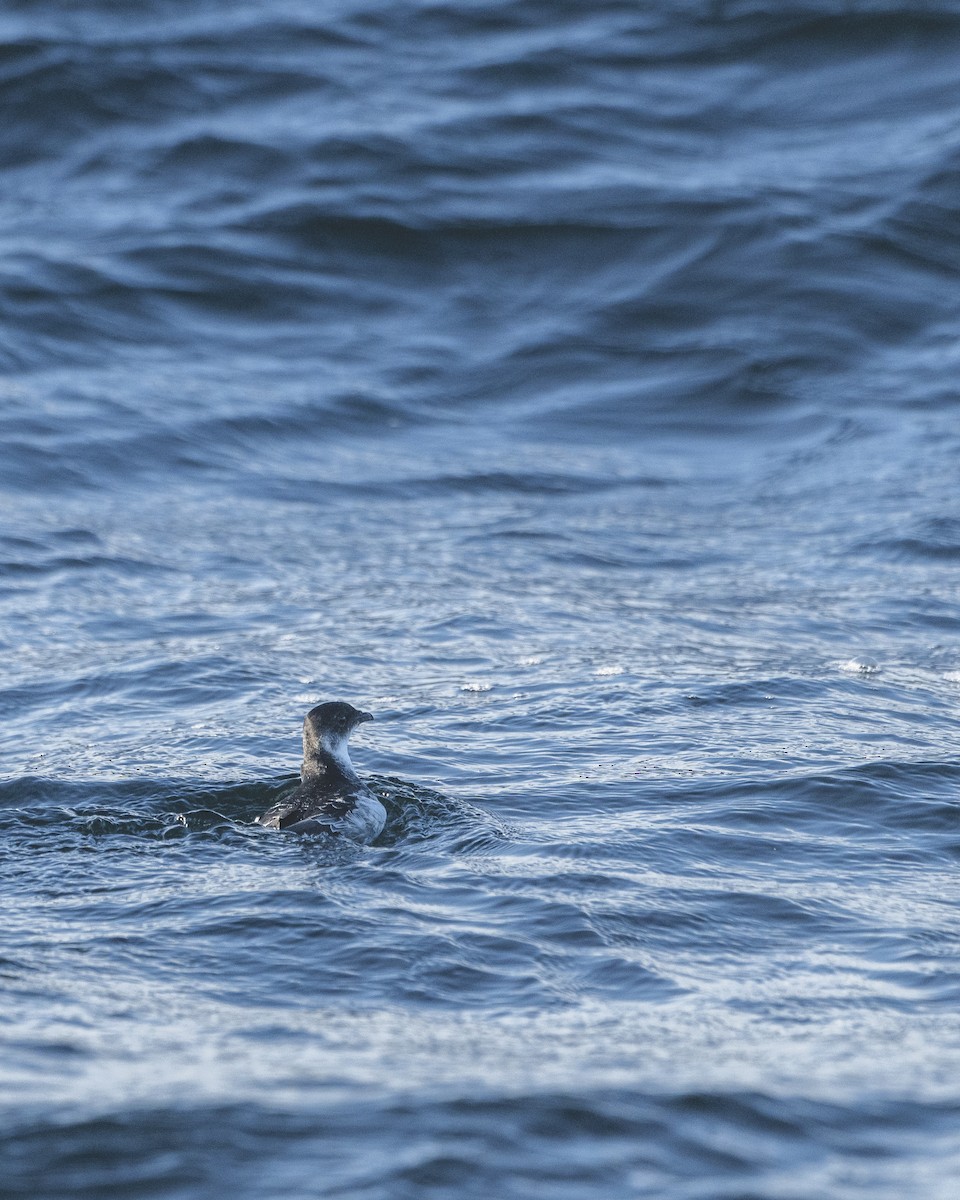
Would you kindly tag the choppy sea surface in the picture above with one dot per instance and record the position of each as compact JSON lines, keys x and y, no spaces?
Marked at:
{"x":575,"y":386}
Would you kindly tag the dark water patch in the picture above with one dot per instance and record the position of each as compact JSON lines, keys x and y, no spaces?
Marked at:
{"x":31,"y":547}
{"x":889,"y":825}
{"x":56,"y":311}
{"x":532,"y":482}
{"x":84,"y":87}
{"x":796,"y":30}
{"x":220,"y":284}
{"x":925,"y":227}
{"x":723,"y":911}
{"x":314,"y":231}
{"x":202,"y":679}
{"x":219,"y":159}
{"x":704,"y":894}
{"x":528,"y":483}
{"x":935,"y":538}
{"x":756,"y":692}
{"x":934,"y":613}
{"x":98,"y":563}
{"x":618,"y":1141}
{"x":306,"y":420}
{"x":630,"y":558}
{"x":866,"y":809}
{"x":42,"y":801}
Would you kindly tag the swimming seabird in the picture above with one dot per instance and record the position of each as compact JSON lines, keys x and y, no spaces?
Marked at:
{"x":331,"y":798}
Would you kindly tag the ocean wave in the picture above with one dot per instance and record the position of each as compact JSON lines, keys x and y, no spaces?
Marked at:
{"x":571,"y":1146}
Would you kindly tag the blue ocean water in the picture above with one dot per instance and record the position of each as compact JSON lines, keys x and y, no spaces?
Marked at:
{"x":576,"y":388}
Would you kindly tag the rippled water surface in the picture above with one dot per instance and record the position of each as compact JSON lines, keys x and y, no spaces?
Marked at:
{"x":575,"y":387}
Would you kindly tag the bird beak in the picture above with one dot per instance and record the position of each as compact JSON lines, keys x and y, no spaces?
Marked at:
{"x":364,"y":716}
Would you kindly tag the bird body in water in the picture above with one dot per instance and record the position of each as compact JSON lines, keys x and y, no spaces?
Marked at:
{"x":331,"y":798}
